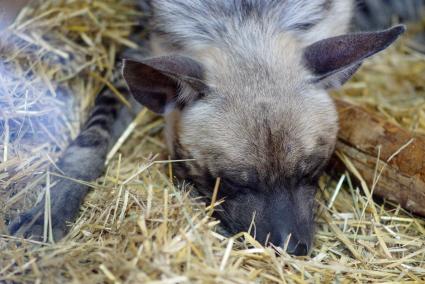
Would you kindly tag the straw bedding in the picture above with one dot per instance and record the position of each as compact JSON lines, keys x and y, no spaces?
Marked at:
{"x":136,"y":226}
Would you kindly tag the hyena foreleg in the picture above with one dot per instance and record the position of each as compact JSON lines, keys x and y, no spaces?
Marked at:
{"x":83,"y":161}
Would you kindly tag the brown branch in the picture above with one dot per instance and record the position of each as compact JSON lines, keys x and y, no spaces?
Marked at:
{"x":364,"y":136}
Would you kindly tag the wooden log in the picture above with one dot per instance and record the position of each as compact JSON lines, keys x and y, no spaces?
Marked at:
{"x":364,"y":136}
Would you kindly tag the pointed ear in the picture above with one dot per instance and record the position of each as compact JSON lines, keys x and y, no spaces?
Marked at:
{"x":162,"y":83}
{"x":334,"y":60}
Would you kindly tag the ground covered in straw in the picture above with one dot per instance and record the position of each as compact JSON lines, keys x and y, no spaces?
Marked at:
{"x":136,"y":226}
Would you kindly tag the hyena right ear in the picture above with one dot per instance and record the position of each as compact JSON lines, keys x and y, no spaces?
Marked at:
{"x":161,"y":83}
{"x":334,"y":60}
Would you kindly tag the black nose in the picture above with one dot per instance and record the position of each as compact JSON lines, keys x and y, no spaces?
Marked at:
{"x":298,"y":249}
{"x":295,"y":246}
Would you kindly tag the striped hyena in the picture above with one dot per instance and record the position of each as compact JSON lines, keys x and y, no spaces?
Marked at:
{"x":243,"y":87}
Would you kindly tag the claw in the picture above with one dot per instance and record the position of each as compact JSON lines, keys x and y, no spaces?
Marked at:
{"x":30,"y":225}
{"x":66,"y":198}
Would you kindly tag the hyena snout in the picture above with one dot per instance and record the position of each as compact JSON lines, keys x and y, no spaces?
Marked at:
{"x":287,"y":231}
{"x":294,"y":242}
{"x":280,"y":218}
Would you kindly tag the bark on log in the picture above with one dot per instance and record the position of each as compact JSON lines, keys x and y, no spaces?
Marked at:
{"x":403,"y":179}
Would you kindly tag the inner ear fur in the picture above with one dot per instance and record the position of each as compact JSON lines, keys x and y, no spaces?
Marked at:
{"x":157,"y":82}
{"x":338,"y":58}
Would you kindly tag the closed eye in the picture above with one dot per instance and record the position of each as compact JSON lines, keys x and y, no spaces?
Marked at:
{"x":229,"y":182}
{"x":231,"y":186}
{"x":240,"y":177}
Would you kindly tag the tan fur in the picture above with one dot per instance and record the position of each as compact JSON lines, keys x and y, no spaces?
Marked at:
{"x":262,"y":125}
{"x":237,"y":119}
{"x":336,"y":22}
{"x":232,"y":114}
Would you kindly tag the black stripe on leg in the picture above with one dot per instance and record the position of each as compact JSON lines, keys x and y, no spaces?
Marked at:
{"x":90,"y":139}
{"x":100,"y":121}
{"x":107,"y":100}
{"x":105,"y":111}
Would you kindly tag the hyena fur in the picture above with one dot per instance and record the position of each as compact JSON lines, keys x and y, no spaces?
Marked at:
{"x":243,"y":87}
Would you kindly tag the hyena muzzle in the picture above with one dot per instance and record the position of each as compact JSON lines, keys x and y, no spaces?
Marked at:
{"x":243,"y":88}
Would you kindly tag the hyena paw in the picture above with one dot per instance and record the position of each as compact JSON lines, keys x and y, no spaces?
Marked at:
{"x":30,"y":225}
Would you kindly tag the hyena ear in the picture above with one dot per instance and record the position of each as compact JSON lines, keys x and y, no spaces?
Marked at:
{"x":334,"y":60}
{"x":161,"y":83}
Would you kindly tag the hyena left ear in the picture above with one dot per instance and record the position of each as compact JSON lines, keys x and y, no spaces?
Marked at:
{"x":334,"y":60}
{"x":161,"y":83}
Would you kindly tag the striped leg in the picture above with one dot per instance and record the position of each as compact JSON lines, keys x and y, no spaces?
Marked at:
{"x":83,"y":160}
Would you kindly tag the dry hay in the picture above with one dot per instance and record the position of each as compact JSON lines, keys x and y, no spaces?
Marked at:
{"x":136,"y":226}
{"x":393,"y":83}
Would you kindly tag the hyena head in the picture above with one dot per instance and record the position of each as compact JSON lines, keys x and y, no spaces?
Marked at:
{"x":262,"y":122}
